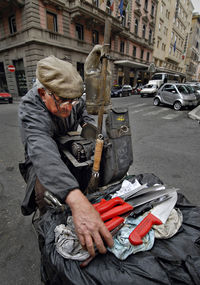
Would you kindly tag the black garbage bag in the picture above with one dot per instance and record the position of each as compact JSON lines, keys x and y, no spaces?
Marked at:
{"x":171,"y":261}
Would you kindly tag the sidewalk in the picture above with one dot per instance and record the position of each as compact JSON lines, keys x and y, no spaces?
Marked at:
{"x":195,"y":114}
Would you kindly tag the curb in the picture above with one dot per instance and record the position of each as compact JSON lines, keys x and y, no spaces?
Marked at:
{"x":195,"y":114}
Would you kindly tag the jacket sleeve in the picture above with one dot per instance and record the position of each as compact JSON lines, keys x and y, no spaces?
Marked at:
{"x":37,"y":135}
{"x":83,"y":116}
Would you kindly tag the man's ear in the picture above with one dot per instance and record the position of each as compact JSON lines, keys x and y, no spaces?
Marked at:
{"x":42,"y":93}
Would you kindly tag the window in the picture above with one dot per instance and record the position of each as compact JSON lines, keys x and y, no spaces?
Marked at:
{"x":95,"y":3}
{"x":152,"y":10}
{"x":134,"y":51}
{"x":168,"y":88}
{"x":12,"y":24}
{"x":136,"y":26}
{"x":79,"y":32}
{"x":146,"y":5}
{"x":142,"y":54}
{"x":150,"y":35}
{"x":197,"y":45}
{"x":52,"y":22}
{"x":95,"y":37}
{"x":80,"y":69}
{"x":122,"y":47}
{"x":144,"y":31}
{"x":148,"y":55}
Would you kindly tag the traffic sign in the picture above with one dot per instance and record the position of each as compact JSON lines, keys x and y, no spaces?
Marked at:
{"x":11,"y":68}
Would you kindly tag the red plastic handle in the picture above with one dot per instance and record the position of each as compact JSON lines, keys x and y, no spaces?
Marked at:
{"x":114,"y":222}
{"x":100,"y":203}
{"x":116,"y":211}
{"x":105,"y":206}
{"x":143,"y":228}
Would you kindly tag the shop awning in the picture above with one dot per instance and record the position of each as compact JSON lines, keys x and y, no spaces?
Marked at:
{"x":132,"y":64}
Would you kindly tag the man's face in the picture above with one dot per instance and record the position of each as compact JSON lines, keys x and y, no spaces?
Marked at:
{"x":56,"y":105}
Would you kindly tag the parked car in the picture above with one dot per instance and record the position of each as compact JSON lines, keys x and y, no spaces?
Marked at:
{"x":196,"y":90}
{"x":121,"y":91}
{"x":149,"y":90}
{"x":176,"y":95}
{"x":5,"y":96}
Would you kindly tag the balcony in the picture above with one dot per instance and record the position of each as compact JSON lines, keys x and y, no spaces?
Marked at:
{"x":92,"y":15}
{"x":57,"y":3}
{"x":172,"y":59}
{"x":6,"y":4}
{"x":138,"y":12}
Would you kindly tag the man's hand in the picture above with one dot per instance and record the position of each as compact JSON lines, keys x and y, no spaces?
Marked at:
{"x":88,"y":224}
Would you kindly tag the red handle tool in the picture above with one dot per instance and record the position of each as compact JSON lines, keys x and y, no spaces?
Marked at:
{"x":105,"y":206}
{"x":143,"y":228}
{"x":116,"y":211}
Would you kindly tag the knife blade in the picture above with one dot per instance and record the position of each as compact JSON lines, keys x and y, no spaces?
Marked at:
{"x":150,"y":190}
{"x":138,"y":211}
{"x":145,"y":198}
{"x":157,"y":216}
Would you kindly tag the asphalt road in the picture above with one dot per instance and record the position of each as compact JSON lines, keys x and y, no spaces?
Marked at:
{"x":165,"y":142}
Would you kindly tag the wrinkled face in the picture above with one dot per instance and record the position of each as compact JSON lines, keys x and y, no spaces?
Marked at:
{"x":57,"y":106}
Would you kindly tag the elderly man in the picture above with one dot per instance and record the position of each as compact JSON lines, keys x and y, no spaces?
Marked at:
{"x":49,"y":110}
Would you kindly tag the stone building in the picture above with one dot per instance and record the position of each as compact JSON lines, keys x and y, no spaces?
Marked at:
{"x":193,"y":51}
{"x":33,"y":29}
{"x":173,"y":24}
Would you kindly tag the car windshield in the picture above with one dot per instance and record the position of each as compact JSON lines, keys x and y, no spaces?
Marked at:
{"x":116,"y":87}
{"x":157,"y":77}
{"x":183,"y":89}
{"x":127,"y":87}
{"x":150,"y":86}
{"x":190,"y":89}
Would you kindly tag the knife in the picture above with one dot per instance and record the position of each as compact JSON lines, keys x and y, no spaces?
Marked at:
{"x":139,"y":210}
{"x":157,"y":216}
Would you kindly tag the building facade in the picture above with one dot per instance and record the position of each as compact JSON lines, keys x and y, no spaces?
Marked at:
{"x":193,"y":51}
{"x":172,"y":30}
{"x":33,"y":29}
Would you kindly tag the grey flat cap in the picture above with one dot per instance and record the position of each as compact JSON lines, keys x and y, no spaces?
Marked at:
{"x":59,"y":76}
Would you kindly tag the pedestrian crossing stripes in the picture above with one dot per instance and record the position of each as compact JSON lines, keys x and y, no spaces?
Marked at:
{"x":147,"y":110}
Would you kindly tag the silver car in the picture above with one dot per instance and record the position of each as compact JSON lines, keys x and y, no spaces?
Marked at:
{"x":176,"y":95}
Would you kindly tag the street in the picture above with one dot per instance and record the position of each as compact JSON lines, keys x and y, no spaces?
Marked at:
{"x":165,"y":142}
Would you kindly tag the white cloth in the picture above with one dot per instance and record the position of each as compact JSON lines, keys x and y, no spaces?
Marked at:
{"x":67,"y":243}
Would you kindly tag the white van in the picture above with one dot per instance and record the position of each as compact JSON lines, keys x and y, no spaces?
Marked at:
{"x":162,"y":77}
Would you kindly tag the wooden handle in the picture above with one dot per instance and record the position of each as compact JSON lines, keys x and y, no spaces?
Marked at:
{"x":97,"y":155}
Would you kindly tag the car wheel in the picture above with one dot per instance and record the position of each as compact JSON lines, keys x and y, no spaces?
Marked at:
{"x":156,"y":102}
{"x":120,"y":94}
{"x":142,"y":95}
{"x":10,"y":101}
{"x":177,"y":106}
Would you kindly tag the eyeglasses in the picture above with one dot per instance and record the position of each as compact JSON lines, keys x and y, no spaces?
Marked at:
{"x":61,"y":102}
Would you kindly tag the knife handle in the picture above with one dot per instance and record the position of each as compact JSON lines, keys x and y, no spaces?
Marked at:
{"x":113,"y":223}
{"x":116,"y":211}
{"x":105,"y":206}
{"x":138,"y":211}
{"x":143,"y":228}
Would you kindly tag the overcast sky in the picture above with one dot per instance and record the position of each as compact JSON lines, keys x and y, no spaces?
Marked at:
{"x":196,"y":4}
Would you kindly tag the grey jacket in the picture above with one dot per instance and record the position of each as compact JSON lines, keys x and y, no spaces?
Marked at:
{"x":39,"y":130}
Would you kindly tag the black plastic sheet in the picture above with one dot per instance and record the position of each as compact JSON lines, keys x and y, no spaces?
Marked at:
{"x":172,"y":261}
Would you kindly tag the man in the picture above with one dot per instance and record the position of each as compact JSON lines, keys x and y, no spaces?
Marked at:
{"x":48,"y":111}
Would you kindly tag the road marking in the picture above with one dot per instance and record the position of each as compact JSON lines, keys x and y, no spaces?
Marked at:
{"x":155,"y":112}
{"x":170,"y":116}
{"x":137,"y":111}
{"x":140,"y":105}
